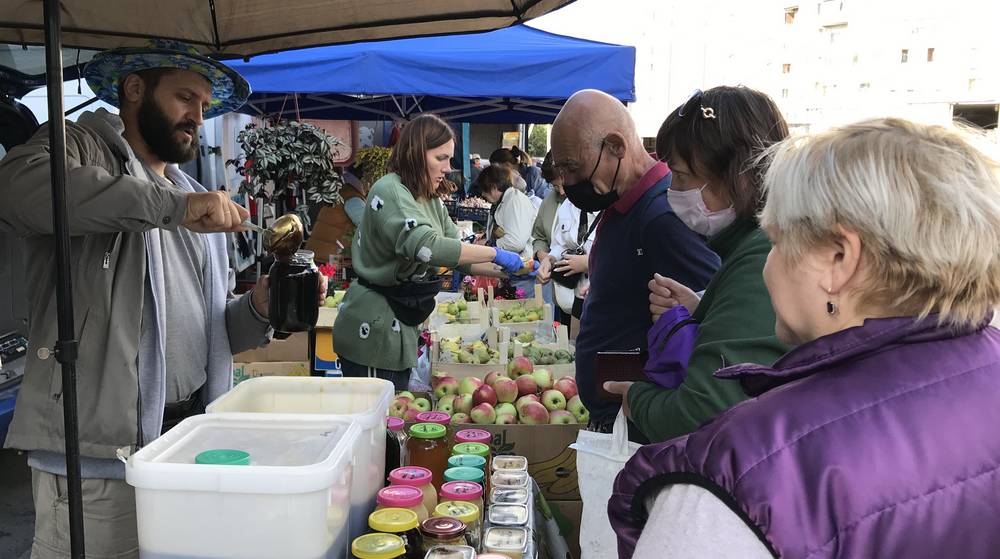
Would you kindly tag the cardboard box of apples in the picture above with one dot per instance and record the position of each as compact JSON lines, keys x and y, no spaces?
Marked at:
{"x":521,"y":394}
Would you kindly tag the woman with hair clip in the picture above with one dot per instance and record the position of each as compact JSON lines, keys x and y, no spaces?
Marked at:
{"x":711,"y":144}
{"x":405,"y":240}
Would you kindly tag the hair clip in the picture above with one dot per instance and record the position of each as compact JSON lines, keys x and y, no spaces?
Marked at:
{"x":708,"y":113}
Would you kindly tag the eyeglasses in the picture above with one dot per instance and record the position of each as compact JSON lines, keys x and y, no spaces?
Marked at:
{"x":694,"y":104}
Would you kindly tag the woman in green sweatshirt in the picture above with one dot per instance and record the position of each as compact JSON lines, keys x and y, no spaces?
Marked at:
{"x":405,"y":240}
{"x":710,"y":144}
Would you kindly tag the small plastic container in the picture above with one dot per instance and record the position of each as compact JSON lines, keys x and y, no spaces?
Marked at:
{"x":442,"y":530}
{"x":508,"y":515}
{"x":468,"y":513}
{"x":464,"y":473}
{"x":453,"y":552}
{"x":402,"y":523}
{"x":421,"y":478}
{"x":510,"y":464}
{"x":403,"y":497}
{"x":463,"y":491}
{"x":509,"y":542}
{"x":508,"y":496}
{"x":510,"y":480}
{"x":378,"y":546}
{"x":428,"y":447}
{"x":467,"y":461}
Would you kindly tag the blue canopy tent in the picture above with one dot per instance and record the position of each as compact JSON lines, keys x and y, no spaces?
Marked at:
{"x":518,"y":74}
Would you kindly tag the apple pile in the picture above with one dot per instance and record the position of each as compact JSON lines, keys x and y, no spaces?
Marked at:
{"x":453,"y":351}
{"x":407,"y":406}
{"x":521,"y":394}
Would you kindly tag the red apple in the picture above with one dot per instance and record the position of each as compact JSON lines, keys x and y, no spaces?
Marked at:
{"x":505,"y":389}
{"x":520,"y":366}
{"x":485,"y":395}
{"x":534,"y":413}
{"x":447,"y":386}
{"x":460,"y":418}
{"x":493,"y":376}
{"x":525,"y":399}
{"x":526,"y":385}
{"x":484,"y":414}
{"x":566,"y":385}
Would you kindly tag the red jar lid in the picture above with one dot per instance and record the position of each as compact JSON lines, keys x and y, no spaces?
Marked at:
{"x":442,"y":527}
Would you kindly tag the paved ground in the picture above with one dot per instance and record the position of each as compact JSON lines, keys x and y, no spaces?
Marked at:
{"x":17,"y":515}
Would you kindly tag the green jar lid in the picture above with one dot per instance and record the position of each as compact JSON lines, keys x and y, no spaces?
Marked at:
{"x":463,"y":473}
{"x":468,"y":461}
{"x":223,"y":457}
{"x":474,"y":449}
{"x":428,"y":431}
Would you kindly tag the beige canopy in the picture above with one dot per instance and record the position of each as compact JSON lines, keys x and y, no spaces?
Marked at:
{"x":250,"y":27}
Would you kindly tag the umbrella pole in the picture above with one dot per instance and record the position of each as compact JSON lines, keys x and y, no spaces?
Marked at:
{"x":66,"y":346}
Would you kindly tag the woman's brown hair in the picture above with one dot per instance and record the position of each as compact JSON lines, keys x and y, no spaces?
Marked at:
{"x":409,"y":155}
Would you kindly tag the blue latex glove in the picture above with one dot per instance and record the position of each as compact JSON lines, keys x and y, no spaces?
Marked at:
{"x":510,"y":262}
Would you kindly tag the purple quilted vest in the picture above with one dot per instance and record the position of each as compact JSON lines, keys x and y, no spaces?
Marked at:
{"x":877,"y":441}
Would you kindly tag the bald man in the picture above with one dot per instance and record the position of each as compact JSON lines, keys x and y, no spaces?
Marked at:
{"x":606,"y":169}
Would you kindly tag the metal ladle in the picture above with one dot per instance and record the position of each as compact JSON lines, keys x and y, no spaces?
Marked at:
{"x":283,"y":238}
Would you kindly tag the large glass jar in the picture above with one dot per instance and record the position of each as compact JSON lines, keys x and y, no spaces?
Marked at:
{"x":442,"y":530}
{"x":439,"y":418}
{"x":293,"y":294}
{"x":395,"y":444}
{"x":378,"y":546}
{"x":421,"y":478}
{"x":402,"y":523}
{"x":428,"y":448}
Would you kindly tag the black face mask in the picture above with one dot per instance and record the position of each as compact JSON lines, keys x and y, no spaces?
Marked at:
{"x":583,"y":196}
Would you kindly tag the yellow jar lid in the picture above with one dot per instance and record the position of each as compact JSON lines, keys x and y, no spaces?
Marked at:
{"x":393,"y":521}
{"x":378,"y":546}
{"x":466,"y":511}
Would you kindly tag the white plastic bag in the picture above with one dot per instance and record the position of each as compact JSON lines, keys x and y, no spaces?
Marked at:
{"x":599,"y":458}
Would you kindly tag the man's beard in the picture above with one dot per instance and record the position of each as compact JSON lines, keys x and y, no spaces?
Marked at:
{"x":161,"y":135}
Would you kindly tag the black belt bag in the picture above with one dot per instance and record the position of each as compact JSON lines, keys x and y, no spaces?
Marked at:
{"x":411,"y":301}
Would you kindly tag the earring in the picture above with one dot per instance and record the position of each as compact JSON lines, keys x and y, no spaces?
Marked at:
{"x":831,"y":307}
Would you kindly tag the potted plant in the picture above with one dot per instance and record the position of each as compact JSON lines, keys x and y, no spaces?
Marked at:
{"x":374,"y":162}
{"x":286,"y":156}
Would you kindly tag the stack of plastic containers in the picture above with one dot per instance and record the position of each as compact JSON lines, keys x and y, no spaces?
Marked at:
{"x":254,"y":487}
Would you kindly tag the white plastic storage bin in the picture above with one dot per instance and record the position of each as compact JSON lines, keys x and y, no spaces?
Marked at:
{"x":364,"y":400}
{"x":291,"y":501}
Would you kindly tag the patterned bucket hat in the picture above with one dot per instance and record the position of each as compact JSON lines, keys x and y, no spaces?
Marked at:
{"x":105,"y":71}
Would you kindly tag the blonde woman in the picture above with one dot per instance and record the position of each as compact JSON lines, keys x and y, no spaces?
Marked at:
{"x":876,"y":436}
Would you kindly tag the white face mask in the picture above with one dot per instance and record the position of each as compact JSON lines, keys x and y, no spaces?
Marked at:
{"x":691,"y":209}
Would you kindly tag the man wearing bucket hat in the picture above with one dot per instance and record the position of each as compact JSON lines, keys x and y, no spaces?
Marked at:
{"x":155,"y":320}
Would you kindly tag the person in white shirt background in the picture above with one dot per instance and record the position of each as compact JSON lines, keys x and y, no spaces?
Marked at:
{"x":569,"y":257}
{"x":511,"y":218}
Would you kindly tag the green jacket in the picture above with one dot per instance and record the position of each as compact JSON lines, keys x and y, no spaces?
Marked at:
{"x":399,"y":238}
{"x":736,"y":325}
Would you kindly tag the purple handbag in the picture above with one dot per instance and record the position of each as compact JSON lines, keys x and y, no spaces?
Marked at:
{"x":670,"y":342}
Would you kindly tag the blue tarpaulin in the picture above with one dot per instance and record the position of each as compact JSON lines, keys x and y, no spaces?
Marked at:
{"x":517,"y":74}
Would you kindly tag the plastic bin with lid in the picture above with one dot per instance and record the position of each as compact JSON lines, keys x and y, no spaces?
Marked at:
{"x":291,"y":500}
{"x":366,"y":400}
